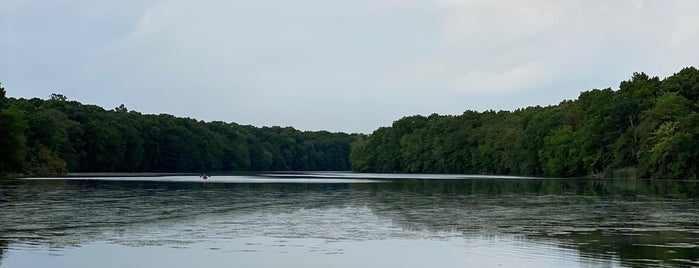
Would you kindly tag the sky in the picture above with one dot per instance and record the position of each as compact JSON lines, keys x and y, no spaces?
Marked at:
{"x":336,"y":65}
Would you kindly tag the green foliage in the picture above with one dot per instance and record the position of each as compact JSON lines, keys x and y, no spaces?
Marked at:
{"x":648,"y":128}
{"x":3,"y":98}
{"x":12,"y":141}
{"x":12,"y":137}
{"x":51,"y":137}
{"x":561,"y":154}
{"x":45,"y":162}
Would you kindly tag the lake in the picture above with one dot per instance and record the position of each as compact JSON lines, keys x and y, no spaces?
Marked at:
{"x":348,"y":220}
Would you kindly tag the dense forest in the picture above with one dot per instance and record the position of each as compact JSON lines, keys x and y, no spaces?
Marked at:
{"x":55,"y":136}
{"x":648,"y":128}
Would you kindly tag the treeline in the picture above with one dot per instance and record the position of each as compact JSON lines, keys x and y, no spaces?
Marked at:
{"x":648,"y":128}
{"x":54,"y":136}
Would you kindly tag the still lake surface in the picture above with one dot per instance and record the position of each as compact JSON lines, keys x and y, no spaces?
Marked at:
{"x":348,"y":220}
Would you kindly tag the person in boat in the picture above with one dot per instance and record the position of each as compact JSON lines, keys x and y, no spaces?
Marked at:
{"x":205,"y":176}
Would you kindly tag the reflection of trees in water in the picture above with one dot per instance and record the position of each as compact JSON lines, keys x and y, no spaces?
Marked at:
{"x":592,"y":216}
{"x":66,"y":214}
{"x":638,"y":248}
{"x":516,"y":202}
{"x":634,"y":219}
{"x":4,"y":200}
{"x":3,"y":246}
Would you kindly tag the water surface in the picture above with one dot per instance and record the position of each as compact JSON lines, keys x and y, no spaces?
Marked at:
{"x":348,"y":220}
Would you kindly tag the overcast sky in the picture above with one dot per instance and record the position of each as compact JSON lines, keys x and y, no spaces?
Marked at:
{"x":338,"y":65}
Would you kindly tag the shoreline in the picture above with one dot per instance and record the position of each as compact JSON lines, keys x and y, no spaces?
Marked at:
{"x":126,"y":174}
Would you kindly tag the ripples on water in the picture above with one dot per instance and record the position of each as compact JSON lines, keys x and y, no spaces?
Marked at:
{"x":348,"y":220}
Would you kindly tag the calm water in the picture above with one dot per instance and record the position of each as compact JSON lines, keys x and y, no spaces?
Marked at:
{"x":348,"y":220}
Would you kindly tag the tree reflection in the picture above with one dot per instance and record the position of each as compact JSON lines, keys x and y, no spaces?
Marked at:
{"x":635,"y":221}
{"x":627,"y":220}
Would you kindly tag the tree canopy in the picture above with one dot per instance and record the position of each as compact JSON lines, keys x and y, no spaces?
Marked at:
{"x":647,"y":128}
{"x":58,"y":135}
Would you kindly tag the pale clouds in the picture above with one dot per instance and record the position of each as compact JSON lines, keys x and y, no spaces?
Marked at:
{"x":505,"y":46}
{"x":332,"y":64}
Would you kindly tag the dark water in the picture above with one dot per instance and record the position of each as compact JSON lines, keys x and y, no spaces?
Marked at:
{"x":348,"y":220}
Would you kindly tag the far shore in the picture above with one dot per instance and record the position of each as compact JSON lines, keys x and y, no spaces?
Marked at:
{"x":127,"y":174}
{"x":152,"y":174}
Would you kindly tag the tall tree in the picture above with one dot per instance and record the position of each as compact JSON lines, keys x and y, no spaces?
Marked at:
{"x":12,"y":137}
